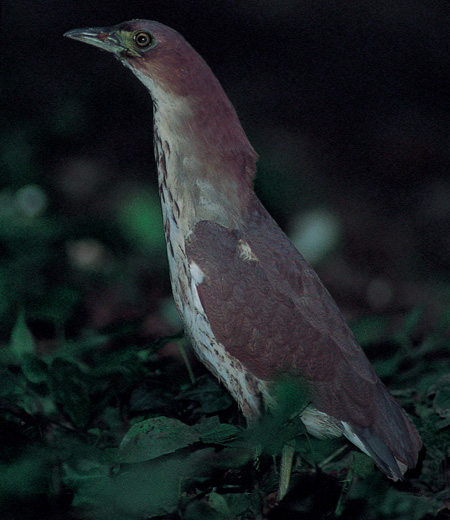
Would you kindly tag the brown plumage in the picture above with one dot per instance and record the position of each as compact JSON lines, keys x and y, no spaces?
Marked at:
{"x":251,"y":305}
{"x":275,"y":316}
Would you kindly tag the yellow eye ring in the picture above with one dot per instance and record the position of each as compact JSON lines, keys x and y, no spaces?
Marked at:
{"x":142,"y":39}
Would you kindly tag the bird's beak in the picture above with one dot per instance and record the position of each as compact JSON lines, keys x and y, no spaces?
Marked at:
{"x":105,"y":38}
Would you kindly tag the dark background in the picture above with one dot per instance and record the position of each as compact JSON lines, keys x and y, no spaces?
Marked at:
{"x":347,"y":104}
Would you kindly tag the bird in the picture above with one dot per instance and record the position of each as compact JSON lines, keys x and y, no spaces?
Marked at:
{"x":252,"y":307}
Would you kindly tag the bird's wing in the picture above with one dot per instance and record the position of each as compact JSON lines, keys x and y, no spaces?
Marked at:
{"x":271,"y":312}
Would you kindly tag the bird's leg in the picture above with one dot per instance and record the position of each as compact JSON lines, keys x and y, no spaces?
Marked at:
{"x":345,"y":488}
{"x":181,"y":347}
{"x":287,"y":457}
{"x":332,"y":456}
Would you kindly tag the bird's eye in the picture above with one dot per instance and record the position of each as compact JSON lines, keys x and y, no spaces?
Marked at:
{"x":142,"y":39}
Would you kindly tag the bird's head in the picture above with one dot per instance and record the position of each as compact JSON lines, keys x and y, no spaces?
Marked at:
{"x":127,"y":40}
{"x":192,"y":112}
{"x":158,"y":55}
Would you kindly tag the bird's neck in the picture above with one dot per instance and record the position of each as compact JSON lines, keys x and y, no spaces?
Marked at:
{"x":205,"y":162}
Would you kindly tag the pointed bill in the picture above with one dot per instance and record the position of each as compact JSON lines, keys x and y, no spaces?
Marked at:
{"x":106,"y":38}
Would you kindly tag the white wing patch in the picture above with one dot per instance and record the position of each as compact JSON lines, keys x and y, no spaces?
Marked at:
{"x":352,"y":437}
{"x":245,"y":251}
{"x":319,"y":424}
{"x":197,"y":275}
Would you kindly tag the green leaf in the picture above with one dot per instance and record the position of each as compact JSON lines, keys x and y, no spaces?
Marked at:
{"x":134,"y":492}
{"x":197,"y":510}
{"x":271,"y":433}
{"x":68,"y":388}
{"x":219,"y":504}
{"x":363,"y":465}
{"x":22,"y":341}
{"x":243,"y":504}
{"x":396,"y":504}
{"x":155,"y":437}
{"x":146,"y":397}
{"x":214,"y":432}
{"x":10,"y":387}
{"x":290,"y":396}
{"x":315,"y":451}
{"x":34,"y":369}
{"x":226,"y":506}
{"x":211,"y":397}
